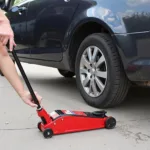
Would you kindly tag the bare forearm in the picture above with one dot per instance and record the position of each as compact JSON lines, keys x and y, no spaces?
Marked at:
{"x":6,"y":64}
{"x":3,"y":18}
{"x":8,"y":68}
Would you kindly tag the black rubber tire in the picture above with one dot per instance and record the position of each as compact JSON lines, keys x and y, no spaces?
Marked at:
{"x":48,"y":133}
{"x":117,"y":83}
{"x":110,"y":123}
{"x":66,"y":74}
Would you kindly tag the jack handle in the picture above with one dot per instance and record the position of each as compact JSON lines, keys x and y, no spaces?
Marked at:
{"x":26,"y":80}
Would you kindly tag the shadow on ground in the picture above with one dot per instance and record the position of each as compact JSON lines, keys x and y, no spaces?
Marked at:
{"x":137,"y":97}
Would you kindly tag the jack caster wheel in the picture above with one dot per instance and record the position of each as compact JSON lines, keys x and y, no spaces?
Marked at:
{"x":48,"y":133}
{"x":39,"y":126}
{"x":110,"y":123}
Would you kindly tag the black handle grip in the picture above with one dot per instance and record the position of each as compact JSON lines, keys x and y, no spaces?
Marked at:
{"x":26,"y":79}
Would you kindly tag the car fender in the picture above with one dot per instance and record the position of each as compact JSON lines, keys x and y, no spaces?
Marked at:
{"x":103,"y":16}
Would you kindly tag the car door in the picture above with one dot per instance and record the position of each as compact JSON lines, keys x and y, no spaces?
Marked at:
{"x":47,"y":22}
{"x":17,"y":16}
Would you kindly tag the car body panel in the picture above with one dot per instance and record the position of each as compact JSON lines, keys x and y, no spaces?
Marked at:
{"x":134,"y":50}
{"x":121,"y":19}
{"x":47,"y":33}
{"x":118,"y":17}
{"x":50,"y":30}
{"x":19,"y":26}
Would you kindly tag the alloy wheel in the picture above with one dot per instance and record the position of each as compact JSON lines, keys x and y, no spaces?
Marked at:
{"x":93,"y":71}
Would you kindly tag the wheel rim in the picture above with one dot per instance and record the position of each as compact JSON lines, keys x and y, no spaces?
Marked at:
{"x":93,"y":71}
{"x":48,"y":133}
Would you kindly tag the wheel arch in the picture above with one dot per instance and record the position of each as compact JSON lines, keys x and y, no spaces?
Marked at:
{"x":81,"y":31}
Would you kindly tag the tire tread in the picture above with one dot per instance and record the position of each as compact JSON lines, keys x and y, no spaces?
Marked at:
{"x":121,"y":84}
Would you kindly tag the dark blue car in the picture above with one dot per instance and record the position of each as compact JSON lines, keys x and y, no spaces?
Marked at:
{"x":104,"y":43}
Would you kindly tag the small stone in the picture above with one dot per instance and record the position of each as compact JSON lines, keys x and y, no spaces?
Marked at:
{"x":6,"y":122}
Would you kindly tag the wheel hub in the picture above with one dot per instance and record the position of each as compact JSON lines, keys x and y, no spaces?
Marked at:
{"x":93,"y":71}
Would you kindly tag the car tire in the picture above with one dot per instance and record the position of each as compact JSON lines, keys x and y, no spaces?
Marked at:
{"x":66,"y":74}
{"x":115,"y":80}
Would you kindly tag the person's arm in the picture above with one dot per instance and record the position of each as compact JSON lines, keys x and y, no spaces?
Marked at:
{"x":6,"y":32}
{"x":6,"y":64}
{"x":3,"y":18}
{"x":8,"y":69}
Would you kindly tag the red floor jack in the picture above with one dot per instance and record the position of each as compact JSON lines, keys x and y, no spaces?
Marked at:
{"x":66,"y":121}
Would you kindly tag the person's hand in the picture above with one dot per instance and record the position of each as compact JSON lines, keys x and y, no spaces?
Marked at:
{"x":27,"y":98}
{"x":7,"y":35}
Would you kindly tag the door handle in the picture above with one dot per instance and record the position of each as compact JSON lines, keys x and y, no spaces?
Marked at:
{"x":21,"y":9}
{"x":66,"y":1}
{"x":18,"y":9}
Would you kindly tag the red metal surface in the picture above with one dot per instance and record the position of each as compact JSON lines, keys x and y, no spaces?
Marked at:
{"x":42,"y":113}
{"x":69,"y":123}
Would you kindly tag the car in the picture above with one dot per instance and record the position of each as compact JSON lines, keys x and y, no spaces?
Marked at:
{"x":104,"y":44}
